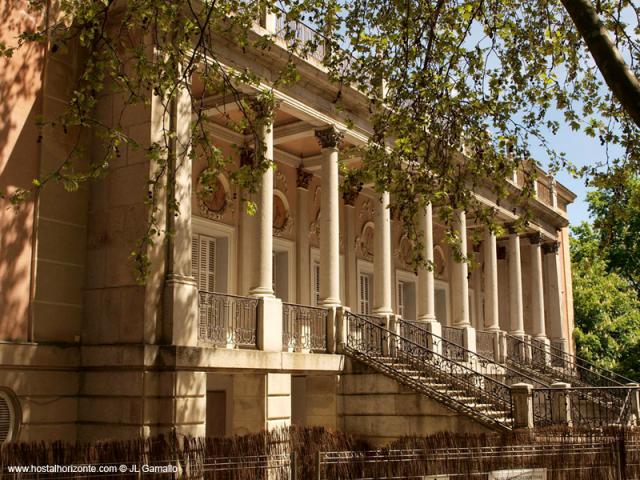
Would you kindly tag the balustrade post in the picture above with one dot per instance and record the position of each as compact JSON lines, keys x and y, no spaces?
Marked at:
{"x":332,"y":328}
{"x":522,"y":400}
{"x":503,"y":350}
{"x":469,"y":340}
{"x":634,"y":397}
{"x":497,"y":341}
{"x":341,"y":328}
{"x":560,"y":404}
{"x":269,"y":334}
{"x":434,"y":344}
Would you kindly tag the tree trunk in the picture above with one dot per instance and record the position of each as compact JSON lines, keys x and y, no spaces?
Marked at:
{"x":620,"y":79}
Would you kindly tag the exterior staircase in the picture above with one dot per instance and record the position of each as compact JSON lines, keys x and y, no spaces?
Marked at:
{"x":457,"y":386}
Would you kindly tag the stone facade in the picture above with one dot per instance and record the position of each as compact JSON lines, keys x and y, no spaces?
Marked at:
{"x":89,"y":353}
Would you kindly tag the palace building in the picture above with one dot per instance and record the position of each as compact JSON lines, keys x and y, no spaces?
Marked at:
{"x":307,"y":313}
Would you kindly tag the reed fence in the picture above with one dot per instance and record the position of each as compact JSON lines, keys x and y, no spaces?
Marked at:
{"x":316,"y":453}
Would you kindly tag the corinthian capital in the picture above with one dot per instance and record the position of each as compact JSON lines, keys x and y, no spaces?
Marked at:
{"x":329,"y":137}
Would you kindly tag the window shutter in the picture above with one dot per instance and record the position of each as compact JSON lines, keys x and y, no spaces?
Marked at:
{"x":316,"y":283}
{"x":195,"y":240}
{"x":204,"y":261}
{"x":401,"y":299}
{"x":364,"y":293}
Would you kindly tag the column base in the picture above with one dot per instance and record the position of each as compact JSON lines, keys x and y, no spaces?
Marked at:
{"x":427,"y":318}
{"x":261,"y":292}
{"x":330,"y":302}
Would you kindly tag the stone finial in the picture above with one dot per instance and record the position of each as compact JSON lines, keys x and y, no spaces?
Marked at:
{"x":551,"y":247}
{"x":303,"y":178}
{"x":329,"y":137}
{"x":536,"y":238}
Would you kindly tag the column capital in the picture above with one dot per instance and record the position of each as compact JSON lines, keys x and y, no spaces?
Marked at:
{"x":350,"y":196}
{"x":551,"y":247}
{"x":329,"y":137}
{"x":247,"y":155}
{"x":264,"y":107}
{"x":511,"y":228}
{"x":303,"y":178}
{"x":536,"y":238}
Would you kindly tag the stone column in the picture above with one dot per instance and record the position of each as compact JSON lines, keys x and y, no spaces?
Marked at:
{"x":180,"y":292}
{"x":302,"y":238}
{"x":261,"y":278}
{"x":461,"y":273}
{"x":537,"y":293}
{"x":351,"y":274}
{"x":555,"y":320}
{"x":382,"y":257}
{"x":515,"y":285}
{"x":426,"y":281}
{"x":329,"y":140}
{"x":491,"y":312}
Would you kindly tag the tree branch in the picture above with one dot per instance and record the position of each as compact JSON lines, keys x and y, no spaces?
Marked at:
{"x":620,"y":79}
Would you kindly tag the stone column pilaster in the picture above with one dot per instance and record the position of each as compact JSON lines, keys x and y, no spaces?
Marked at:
{"x":515,"y":285}
{"x":491,"y":312}
{"x":180,"y":292}
{"x":461,"y":273}
{"x":262,"y":271}
{"x":537,"y":292}
{"x":351,"y":273}
{"x":329,"y":139}
{"x":382,"y":257}
{"x":426,"y":281}
{"x":302,"y":238}
{"x":555,"y":320}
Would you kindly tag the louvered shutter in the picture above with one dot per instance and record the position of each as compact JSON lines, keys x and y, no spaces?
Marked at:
{"x":400,"y":301}
{"x":195,"y":242}
{"x":6,"y":419}
{"x":203,"y":262}
{"x":364,"y":293}
{"x":316,"y":283}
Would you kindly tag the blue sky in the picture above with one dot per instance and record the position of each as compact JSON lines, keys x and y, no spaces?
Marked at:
{"x":580,"y":150}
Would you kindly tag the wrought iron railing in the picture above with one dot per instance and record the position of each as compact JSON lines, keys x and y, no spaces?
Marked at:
{"x":454,"y":384}
{"x":454,"y":335}
{"x":227,"y":320}
{"x":586,"y":407}
{"x":309,"y":41}
{"x":559,"y":365}
{"x":485,"y":344}
{"x":417,"y":332}
{"x":304,"y":328}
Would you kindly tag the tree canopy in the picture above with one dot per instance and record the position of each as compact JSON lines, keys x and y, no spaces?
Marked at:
{"x":486,"y":77}
{"x":606,"y":307}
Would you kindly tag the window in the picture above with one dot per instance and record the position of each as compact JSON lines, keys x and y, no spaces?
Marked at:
{"x":9,"y":416}
{"x":364,"y":284}
{"x":406,"y":298}
{"x":442,"y":302}
{"x":280,"y":275}
{"x":203,"y":261}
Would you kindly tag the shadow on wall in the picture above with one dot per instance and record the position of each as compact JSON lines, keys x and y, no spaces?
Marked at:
{"x":20,"y":103}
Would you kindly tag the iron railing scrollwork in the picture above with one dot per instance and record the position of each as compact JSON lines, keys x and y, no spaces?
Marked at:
{"x":227,"y":320}
{"x":558,"y":365}
{"x":417,"y":332}
{"x":304,"y":328}
{"x":586,"y":407}
{"x":428,"y":372}
{"x":485,"y":344}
